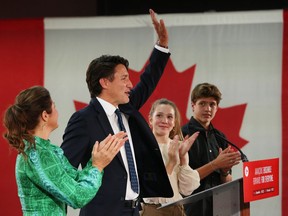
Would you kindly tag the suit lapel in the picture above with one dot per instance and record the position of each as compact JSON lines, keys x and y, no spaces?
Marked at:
{"x":104,"y":122}
{"x":101,"y":117}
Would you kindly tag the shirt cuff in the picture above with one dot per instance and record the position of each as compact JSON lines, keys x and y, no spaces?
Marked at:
{"x":162,"y":49}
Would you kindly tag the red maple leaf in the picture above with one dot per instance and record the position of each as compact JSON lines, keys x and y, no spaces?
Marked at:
{"x":176,"y":86}
{"x":229,"y":121}
{"x":173,"y":85}
{"x":79,"y":105}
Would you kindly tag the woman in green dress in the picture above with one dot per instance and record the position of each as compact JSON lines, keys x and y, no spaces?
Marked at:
{"x":45,"y":179}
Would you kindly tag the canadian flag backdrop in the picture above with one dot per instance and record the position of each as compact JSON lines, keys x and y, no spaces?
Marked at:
{"x":243,"y":53}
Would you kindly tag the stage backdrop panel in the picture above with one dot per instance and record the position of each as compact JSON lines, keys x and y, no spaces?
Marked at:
{"x":240,"y":52}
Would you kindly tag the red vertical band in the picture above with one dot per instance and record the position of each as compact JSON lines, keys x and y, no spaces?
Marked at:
{"x":21,"y":66}
{"x":285,"y":114}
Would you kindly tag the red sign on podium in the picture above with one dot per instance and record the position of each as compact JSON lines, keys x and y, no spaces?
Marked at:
{"x":260,"y":179}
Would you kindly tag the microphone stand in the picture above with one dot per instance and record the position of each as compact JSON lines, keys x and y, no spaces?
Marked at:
{"x":243,"y":156}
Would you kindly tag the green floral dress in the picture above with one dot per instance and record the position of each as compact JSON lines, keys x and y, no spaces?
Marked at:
{"x":47,"y":182}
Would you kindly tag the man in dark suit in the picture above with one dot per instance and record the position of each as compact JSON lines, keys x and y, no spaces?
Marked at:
{"x":110,"y":89}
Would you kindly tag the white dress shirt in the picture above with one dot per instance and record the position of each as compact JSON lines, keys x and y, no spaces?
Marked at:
{"x":112,"y":117}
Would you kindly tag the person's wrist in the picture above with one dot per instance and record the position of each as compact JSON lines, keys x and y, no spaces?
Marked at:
{"x":212,"y":166}
{"x":225,"y":173}
{"x":183,"y":161}
{"x":161,"y":45}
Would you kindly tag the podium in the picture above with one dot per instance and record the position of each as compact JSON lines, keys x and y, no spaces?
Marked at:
{"x":228,"y":199}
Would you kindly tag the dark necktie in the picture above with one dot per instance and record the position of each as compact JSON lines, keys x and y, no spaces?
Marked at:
{"x":133,"y":176}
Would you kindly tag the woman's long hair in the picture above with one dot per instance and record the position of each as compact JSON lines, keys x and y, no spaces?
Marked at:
{"x":21,"y":118}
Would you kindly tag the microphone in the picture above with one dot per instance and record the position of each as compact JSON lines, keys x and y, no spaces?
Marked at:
{"x":217,"y":134}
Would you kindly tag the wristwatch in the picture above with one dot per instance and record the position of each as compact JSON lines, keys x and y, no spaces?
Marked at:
{"x":224,"y":174}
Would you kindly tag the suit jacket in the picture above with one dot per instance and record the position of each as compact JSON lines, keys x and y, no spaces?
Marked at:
{"x":91,"y":124}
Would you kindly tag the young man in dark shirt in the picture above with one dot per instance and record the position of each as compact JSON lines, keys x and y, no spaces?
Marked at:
{"x":209,"y":155}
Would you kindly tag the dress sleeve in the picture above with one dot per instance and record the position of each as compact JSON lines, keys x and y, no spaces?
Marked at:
{"x":188,"y":179}
{"x":51,"y":171}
